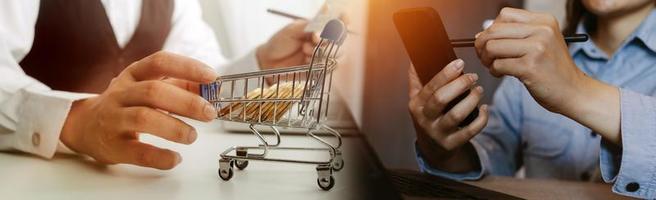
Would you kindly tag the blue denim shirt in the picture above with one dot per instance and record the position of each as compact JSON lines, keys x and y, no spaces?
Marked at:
{"x":522,"y":133}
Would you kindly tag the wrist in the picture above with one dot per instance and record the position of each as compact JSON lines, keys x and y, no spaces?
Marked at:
{"x":70,"y":129}
{"x":597,"y":106}
{"x":459,"y":160}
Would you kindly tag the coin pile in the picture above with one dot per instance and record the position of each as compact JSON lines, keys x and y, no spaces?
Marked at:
{"x":268,"y":105}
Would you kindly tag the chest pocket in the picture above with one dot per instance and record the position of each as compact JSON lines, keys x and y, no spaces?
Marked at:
{"x":548,"y":136}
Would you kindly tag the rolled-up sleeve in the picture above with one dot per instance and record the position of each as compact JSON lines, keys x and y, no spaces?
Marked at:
{"x":632,"y":166}
{"x":497,"y":144}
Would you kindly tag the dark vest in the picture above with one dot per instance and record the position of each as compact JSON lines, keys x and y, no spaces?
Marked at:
{"x":75,"y":48}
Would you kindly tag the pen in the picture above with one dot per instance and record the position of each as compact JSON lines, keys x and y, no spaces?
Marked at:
{"x":291,"y":16}
{"x":284,"y":14}
{"x":469,"y":42}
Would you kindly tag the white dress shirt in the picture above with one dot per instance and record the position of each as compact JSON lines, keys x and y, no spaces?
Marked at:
{"x":32,"y":115}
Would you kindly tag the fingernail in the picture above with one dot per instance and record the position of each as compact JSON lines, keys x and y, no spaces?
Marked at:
{"x":477,"y":34}
{"x":191,"y":137}
{"x":473,"y":77}
{"x":211,"y":74}
{"x":458,"y":64}
{"x":178,"y":158}
{"x":479,"y":89}
{"x":209,"y":111}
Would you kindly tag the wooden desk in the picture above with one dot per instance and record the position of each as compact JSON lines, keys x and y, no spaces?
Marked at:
{"x":547,"y":189}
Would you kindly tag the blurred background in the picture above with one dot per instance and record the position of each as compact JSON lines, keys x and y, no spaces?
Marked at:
{"x":372,"y":76}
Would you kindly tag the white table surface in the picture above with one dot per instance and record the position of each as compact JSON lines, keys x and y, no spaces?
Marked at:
{"x":69,"y":177}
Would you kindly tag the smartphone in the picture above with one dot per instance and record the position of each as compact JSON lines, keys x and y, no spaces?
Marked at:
{"x":428,"y":46}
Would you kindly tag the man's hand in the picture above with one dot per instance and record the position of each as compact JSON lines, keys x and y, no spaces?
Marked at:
{"x":438,"y":135}
{"x":291,"y":46}
{"x":529,"y":46}
{"x":139,"y":100}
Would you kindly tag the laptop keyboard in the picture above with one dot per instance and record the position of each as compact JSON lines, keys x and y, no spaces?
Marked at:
{"x":422,"y":185}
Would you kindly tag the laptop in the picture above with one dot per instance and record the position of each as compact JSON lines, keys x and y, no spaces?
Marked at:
{"x":380,"y":183}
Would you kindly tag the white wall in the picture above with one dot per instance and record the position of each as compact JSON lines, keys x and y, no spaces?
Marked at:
{"x":240,"y":25}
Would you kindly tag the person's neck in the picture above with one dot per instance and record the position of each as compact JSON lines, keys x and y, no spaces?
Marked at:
{"x":613,"y":30}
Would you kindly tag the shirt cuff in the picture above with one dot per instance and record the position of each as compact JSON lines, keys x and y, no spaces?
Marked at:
{"x":632,"y":166}
{"x":41,"y":119}
{"x":472,"y":175}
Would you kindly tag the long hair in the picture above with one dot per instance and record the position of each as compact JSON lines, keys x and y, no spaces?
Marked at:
{"x":577,"y":13}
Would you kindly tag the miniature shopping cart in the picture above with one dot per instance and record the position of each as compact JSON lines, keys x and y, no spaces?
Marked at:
{"x":295,"y":97}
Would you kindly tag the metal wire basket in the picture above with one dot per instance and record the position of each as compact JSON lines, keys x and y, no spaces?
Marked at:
{"x":294,"y":97}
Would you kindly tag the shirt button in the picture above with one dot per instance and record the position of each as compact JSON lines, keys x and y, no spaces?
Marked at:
{"x":632,"y":187}
{"x":36,"y":139}
{"x":593,"y":134}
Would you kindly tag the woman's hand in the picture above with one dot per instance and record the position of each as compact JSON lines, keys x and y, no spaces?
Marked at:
{"x":139,"y":100}
{"x":529,"y":46}
{"x":438,"y":134}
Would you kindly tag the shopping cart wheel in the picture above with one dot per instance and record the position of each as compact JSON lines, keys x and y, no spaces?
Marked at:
{"x":326,"y":183}
{"x":225,"y":174}
{"x":225,"y":169}
{"x":338,"y":161}
{"x":241,"y":164}
{"x":338,"y":164}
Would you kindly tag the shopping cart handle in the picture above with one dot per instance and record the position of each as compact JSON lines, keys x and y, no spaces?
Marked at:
{"x":333,"y":30}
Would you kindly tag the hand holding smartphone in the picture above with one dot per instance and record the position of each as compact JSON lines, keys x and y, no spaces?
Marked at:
{"x":429,"y":47}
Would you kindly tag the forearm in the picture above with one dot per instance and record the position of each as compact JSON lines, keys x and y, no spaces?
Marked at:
{"x":597,"y":106}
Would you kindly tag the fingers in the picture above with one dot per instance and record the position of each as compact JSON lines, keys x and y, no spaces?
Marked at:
{"x":441,"y":98}
{"x":308,"y":48}
{"x":514,"y":15}
{"x":189,"y":86}
{"x":503,"y":31}
{"x":163,"y":64}
{"x":414,"y":85}
{"x":461,"y":110}
{"x":148,"y":120}
{"x":465,"y":134}
{"x":296,"y":30}
{"x":315,"y":39}
{"x":505,"y":48}
{"x":137,"y":153}
{"x":167,"y":97}
{"x":516,"y":67}
{"x":449,"y":73}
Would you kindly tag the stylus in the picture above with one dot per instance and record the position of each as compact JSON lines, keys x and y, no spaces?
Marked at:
{"x":469,"y":42}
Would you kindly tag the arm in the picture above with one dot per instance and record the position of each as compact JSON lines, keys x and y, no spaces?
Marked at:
{"x":527,"y":45}
{"x":530,"y":47}
{"x":26,"y":124}
{"x":630,"y":165}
